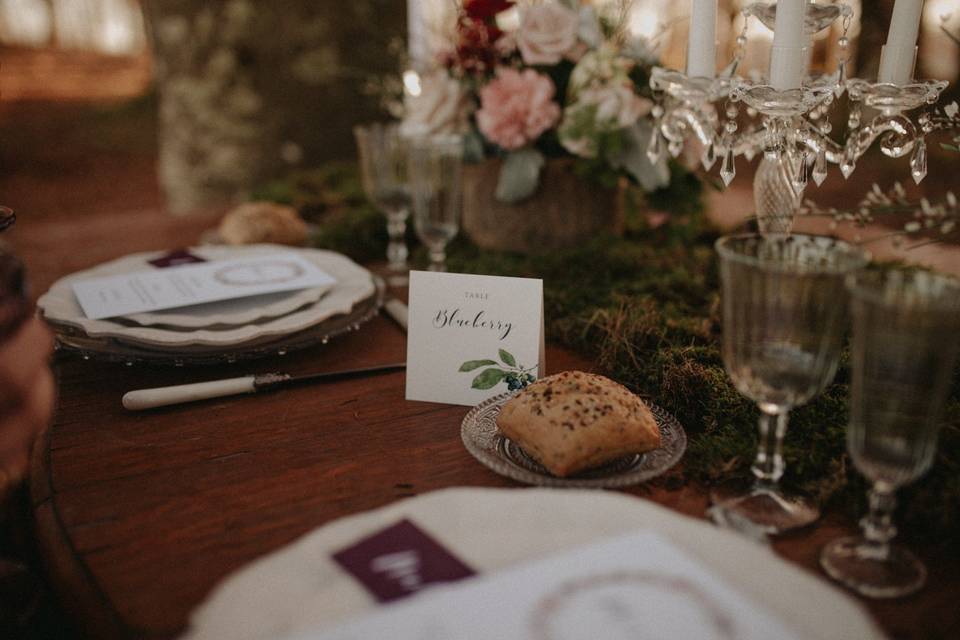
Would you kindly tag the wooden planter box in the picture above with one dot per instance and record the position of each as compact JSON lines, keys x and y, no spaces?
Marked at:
{"x":565,"y":211}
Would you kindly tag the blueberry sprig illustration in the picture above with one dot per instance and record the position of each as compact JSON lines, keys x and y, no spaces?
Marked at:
{"x":507,"y":370}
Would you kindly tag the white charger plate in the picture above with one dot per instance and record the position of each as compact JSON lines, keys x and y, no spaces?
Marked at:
{"x":353,"y":284}
{"x":299,"y":588}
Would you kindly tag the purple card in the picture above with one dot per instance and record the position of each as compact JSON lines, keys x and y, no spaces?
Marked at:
{"x":175,"y":259}
{"x":399,"y":561}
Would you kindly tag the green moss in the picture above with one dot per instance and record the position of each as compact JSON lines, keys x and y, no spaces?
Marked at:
{"x":645,"y":309}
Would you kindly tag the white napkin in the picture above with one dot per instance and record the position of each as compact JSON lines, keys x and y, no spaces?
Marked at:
{"x":299,"y":587}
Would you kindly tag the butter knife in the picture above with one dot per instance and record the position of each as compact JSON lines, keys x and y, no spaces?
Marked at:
{"x":141,"y":399}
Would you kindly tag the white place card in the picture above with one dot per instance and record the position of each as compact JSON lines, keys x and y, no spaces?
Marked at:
{"x":632,"y":587}
{"x":192,"y":284}
{"x":471,"y":337}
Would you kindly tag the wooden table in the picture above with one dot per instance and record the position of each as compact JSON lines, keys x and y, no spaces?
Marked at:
{"x":139,"y":515}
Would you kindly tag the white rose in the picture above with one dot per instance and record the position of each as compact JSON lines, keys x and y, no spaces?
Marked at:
{"x":547,"y":32}
{"x":440,"y":108}
{"x":617,"y":105}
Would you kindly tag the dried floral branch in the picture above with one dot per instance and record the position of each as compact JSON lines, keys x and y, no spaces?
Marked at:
{"x":940,"y":218}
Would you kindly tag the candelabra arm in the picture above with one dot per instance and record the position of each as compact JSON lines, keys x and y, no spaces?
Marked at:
{"x":897,"y":136}
{"x":816,"y":140}
{"x":750,"y":143}
{"x":700,"y":119}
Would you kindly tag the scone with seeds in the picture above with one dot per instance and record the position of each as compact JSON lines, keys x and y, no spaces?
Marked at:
{"x":573,"y":421}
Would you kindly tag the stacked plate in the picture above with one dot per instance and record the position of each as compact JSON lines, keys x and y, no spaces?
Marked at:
{"x":218,"y":332}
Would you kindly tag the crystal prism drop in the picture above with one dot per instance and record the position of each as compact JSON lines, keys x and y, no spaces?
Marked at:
{"x":655,"y":147}
{"x":820,"y":167}
{"x":849,"y":163}
{"x":841,"y":85}
{"x":918,"y":162}
{"x":799,"y":178}
{"x":675,"y":147}
{"x":728,"y":168}
{"x":709,"y":157}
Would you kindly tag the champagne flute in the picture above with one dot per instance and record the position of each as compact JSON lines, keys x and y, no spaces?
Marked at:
{"x":436,"y":168}
{"x":905,"y":343}
{"x":784,"y":318}
{"x":383,"y":168}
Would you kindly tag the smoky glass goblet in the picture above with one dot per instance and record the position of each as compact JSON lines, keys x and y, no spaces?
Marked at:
{"x":784,"y":320}
{"x":436,"y":177}
{"x":383,"y":154}
{"x":906,"y":332}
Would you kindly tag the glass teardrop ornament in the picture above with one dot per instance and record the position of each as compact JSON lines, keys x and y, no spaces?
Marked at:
{"x":918,"y":162}
{"x":655,"y":147}
{"x":820,"y":167}
{"x":728,"y":168}
{"x":709,"y":157}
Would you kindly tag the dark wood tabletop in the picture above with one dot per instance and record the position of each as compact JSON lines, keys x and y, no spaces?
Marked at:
{"x":139,"y":515}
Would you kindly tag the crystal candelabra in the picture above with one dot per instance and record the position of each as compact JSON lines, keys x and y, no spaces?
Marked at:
{"x":793,"y":134}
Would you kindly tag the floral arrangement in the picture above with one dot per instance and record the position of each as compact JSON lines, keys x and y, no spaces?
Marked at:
{"x":528,"y":81}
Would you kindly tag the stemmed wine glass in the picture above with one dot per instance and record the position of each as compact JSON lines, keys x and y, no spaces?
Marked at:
{"x":906,"y":330}
{"x":383,"y":168}
{"x":436,"y":168}
{"x":784,"y":318}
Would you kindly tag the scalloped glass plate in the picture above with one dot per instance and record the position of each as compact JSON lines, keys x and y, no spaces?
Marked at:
{"x":500,"y":454}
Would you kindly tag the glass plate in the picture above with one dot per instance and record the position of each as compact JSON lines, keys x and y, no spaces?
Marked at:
{"x":71,"y":339}
{"x":500,"y":454}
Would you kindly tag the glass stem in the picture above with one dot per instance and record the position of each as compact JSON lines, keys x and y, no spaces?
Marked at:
{"x":877,"y":525}
{"x":438,"y":259}
{"x":397,"y":248}
{"x":768,"y":466}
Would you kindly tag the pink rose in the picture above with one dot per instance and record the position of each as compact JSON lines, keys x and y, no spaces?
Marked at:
{"x":516,"y":107}
{"x":547,"y":32}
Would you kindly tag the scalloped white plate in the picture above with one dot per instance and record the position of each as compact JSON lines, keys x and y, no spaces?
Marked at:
{"x":353,"y":284}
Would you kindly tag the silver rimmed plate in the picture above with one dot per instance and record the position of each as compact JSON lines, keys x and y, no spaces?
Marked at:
{"x":500,"y":454}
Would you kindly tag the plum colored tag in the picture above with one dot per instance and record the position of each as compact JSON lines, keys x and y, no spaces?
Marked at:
{"x":175,"y":259}
{"x":399,"y":561}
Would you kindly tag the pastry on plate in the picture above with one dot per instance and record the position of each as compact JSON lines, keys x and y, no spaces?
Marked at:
{"x":256,"y":222}
{"x":573,"y":421}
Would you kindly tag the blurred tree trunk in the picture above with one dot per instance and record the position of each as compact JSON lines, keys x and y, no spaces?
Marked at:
{"x":249,"y":88}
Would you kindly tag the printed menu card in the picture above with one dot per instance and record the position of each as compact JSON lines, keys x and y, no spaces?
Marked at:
{"x":633,"y":587}
{"x":198,"y":283}
{"x":471,"y":337}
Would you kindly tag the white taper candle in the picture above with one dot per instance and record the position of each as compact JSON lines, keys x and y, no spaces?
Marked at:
{"x":416,"y":34}
{"x":788,"y":60}
{"x":897,"y":56}
{"x":702,"y":42}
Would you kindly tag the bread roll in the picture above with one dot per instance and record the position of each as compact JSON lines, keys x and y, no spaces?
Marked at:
{"x":255,"y":222}
{"x":573,"y":421}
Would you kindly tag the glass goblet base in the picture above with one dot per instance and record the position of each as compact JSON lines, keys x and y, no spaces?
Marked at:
{"x":855,"y":563}
{"x":767,"y":507}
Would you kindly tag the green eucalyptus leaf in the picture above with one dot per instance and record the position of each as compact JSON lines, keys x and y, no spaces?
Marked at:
{"x":470,"y":365}
{"x":519,"y":175}
{"x":488,"y":378}
{"x":507,"y":358}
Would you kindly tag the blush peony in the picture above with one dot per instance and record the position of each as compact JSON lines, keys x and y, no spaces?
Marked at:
{"x":516,"y":107}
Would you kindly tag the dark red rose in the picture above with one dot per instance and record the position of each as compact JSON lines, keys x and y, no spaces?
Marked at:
{"x":475,"y":50}
{"x":485,"y":9}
